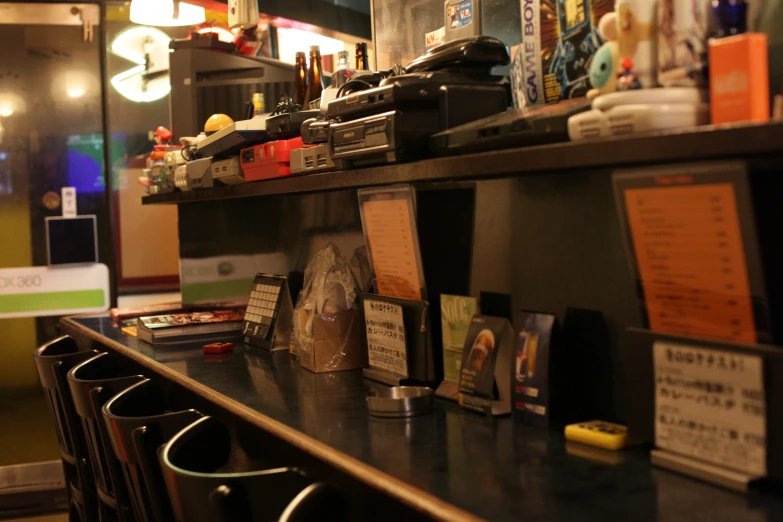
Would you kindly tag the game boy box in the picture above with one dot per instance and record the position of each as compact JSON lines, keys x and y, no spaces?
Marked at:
{"x":559,"y":39}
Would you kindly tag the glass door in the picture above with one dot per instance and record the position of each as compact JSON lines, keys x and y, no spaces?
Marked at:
{"x":51,"y":136}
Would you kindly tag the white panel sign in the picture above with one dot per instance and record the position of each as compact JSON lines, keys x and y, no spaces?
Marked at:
{"x":386,"y":337}
{"x":39,"y":291}
{"x":69,"y":202}
{"x":709,"y":405}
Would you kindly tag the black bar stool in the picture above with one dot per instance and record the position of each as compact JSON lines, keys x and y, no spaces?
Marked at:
{"x":92,"y":384}
{"x":138,"y":424}
{"x":205,"y":487}
{"x":53,"y":361}
{"x":319,"y":502}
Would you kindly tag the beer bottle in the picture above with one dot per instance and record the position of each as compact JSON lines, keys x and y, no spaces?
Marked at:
{"x":300,"y":92}
{"x":362,"y":61}
{"x":342,"y":60}
{"x":315,"y":78}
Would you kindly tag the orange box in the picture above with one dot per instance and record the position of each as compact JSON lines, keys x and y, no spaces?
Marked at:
{"x":739,"y":78}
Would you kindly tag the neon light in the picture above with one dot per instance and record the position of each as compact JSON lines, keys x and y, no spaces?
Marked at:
{"x":133,"y":45}
{"x":161,"y":13}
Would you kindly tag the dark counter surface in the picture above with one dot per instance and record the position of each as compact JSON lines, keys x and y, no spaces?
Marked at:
{"x":492,"y":468}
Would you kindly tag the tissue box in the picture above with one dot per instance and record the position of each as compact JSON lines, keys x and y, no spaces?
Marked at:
{"x":337,"y":342}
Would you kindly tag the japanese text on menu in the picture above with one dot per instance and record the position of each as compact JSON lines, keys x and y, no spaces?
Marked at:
{"x":709,"y":405}
{"x":691,"y":260}
{"x":386,"y":337}
{"x":392,"y":250}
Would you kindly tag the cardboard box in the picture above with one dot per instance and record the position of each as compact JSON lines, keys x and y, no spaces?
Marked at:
{"x":337,"y":342}
{"x":559,"y":39}
{"x":739,"y":78}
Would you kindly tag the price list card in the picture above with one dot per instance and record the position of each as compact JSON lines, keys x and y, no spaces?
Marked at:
{"x":690,"y":257}
{"x":390,"y":232}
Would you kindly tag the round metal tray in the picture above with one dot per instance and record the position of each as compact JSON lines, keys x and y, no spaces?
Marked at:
{"x":400,"y":401}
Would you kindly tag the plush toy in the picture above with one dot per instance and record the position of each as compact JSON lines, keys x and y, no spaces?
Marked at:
{"x":606,"y":61}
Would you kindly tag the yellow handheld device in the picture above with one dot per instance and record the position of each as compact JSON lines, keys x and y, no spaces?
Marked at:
{"x":598,"y":433}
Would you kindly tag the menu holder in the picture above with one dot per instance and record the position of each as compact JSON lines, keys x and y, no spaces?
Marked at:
{"x":710,"y":407}
{"x":485,"y":374}
{"x":398,"y":341}
{"x":531,"y":371}
{"x":456,"y":313}
{"x":692,"y":246}
{"x":389,"y":224}
{"x":270,"y":312}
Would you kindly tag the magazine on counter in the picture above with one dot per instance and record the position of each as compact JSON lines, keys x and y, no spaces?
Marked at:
{"x":191,"y":326}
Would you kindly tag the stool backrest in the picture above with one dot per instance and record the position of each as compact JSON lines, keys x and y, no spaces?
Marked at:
{"x":203,"y":487}
{"x":53,"y":361}
{"x":92,"y":384}
{"x":139,"y":423}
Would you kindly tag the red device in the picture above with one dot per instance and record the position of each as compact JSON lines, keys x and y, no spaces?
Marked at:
{"x":218,"y":348}
{"x":269,"y":160}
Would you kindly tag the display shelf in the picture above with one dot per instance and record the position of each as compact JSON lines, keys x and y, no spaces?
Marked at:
{"x":448,"y":465}
{"x":702,"y":143}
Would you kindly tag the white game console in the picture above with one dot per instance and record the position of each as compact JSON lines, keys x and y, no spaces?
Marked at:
{"x":313,"y":159}
{"x":643,"y":110}
{"x":228,"y":171}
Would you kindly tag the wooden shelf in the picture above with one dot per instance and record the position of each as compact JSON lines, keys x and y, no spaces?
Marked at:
{"x":703,"y":143}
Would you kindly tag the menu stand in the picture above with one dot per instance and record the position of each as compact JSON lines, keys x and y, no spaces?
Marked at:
{"x":395,"y":361}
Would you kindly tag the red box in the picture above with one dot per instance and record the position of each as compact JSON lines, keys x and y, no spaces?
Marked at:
{"x":739,"y":78}
{"x":269,"y":160}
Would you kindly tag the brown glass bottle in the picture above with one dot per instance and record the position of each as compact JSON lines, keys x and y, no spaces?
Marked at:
{"x":362,"y":61}
{"x":300,"y":92}
{"x":315,"y":78}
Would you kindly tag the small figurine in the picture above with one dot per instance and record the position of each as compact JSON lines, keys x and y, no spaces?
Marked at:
{"x":162,"y":136}
{"x":627,"y":80}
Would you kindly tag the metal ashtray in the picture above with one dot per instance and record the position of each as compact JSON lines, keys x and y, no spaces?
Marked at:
{"x":400,"y":401}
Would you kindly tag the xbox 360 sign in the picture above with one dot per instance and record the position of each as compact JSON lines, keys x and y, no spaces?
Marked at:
{"x":42,"y":291}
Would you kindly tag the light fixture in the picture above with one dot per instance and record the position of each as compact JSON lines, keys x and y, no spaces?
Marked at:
{"x":224,"y":35}
{"x":75,"y":92}
{"x":6,"y":111}
{"x":166,"y":13}
{"x":148,"y":48}
{"x":291,"y":40}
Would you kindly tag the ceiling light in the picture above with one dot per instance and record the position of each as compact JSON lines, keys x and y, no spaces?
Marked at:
{"x":292,"y":40}
{"x":161,"y":13}
{"x":75,"y":92}
{"x":6,"y":111}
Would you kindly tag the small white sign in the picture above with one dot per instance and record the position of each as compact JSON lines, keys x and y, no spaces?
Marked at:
{"x":39,"y":291}
{"x":386,"y":337}
{"x":709,"y":405}
{"x":69,"y":201}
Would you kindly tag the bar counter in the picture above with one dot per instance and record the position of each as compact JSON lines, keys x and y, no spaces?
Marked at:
{"x":448,"y":465}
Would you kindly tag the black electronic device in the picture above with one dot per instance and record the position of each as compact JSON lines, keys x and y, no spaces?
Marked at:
{"x":422,"y":90}
{"x":388,"y":137}
{"x":514,"y":128}
{"x":71,"y":240}
{"x":478,"y":54}
{"x":287,"y":125}
{"x":314,"y":131}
